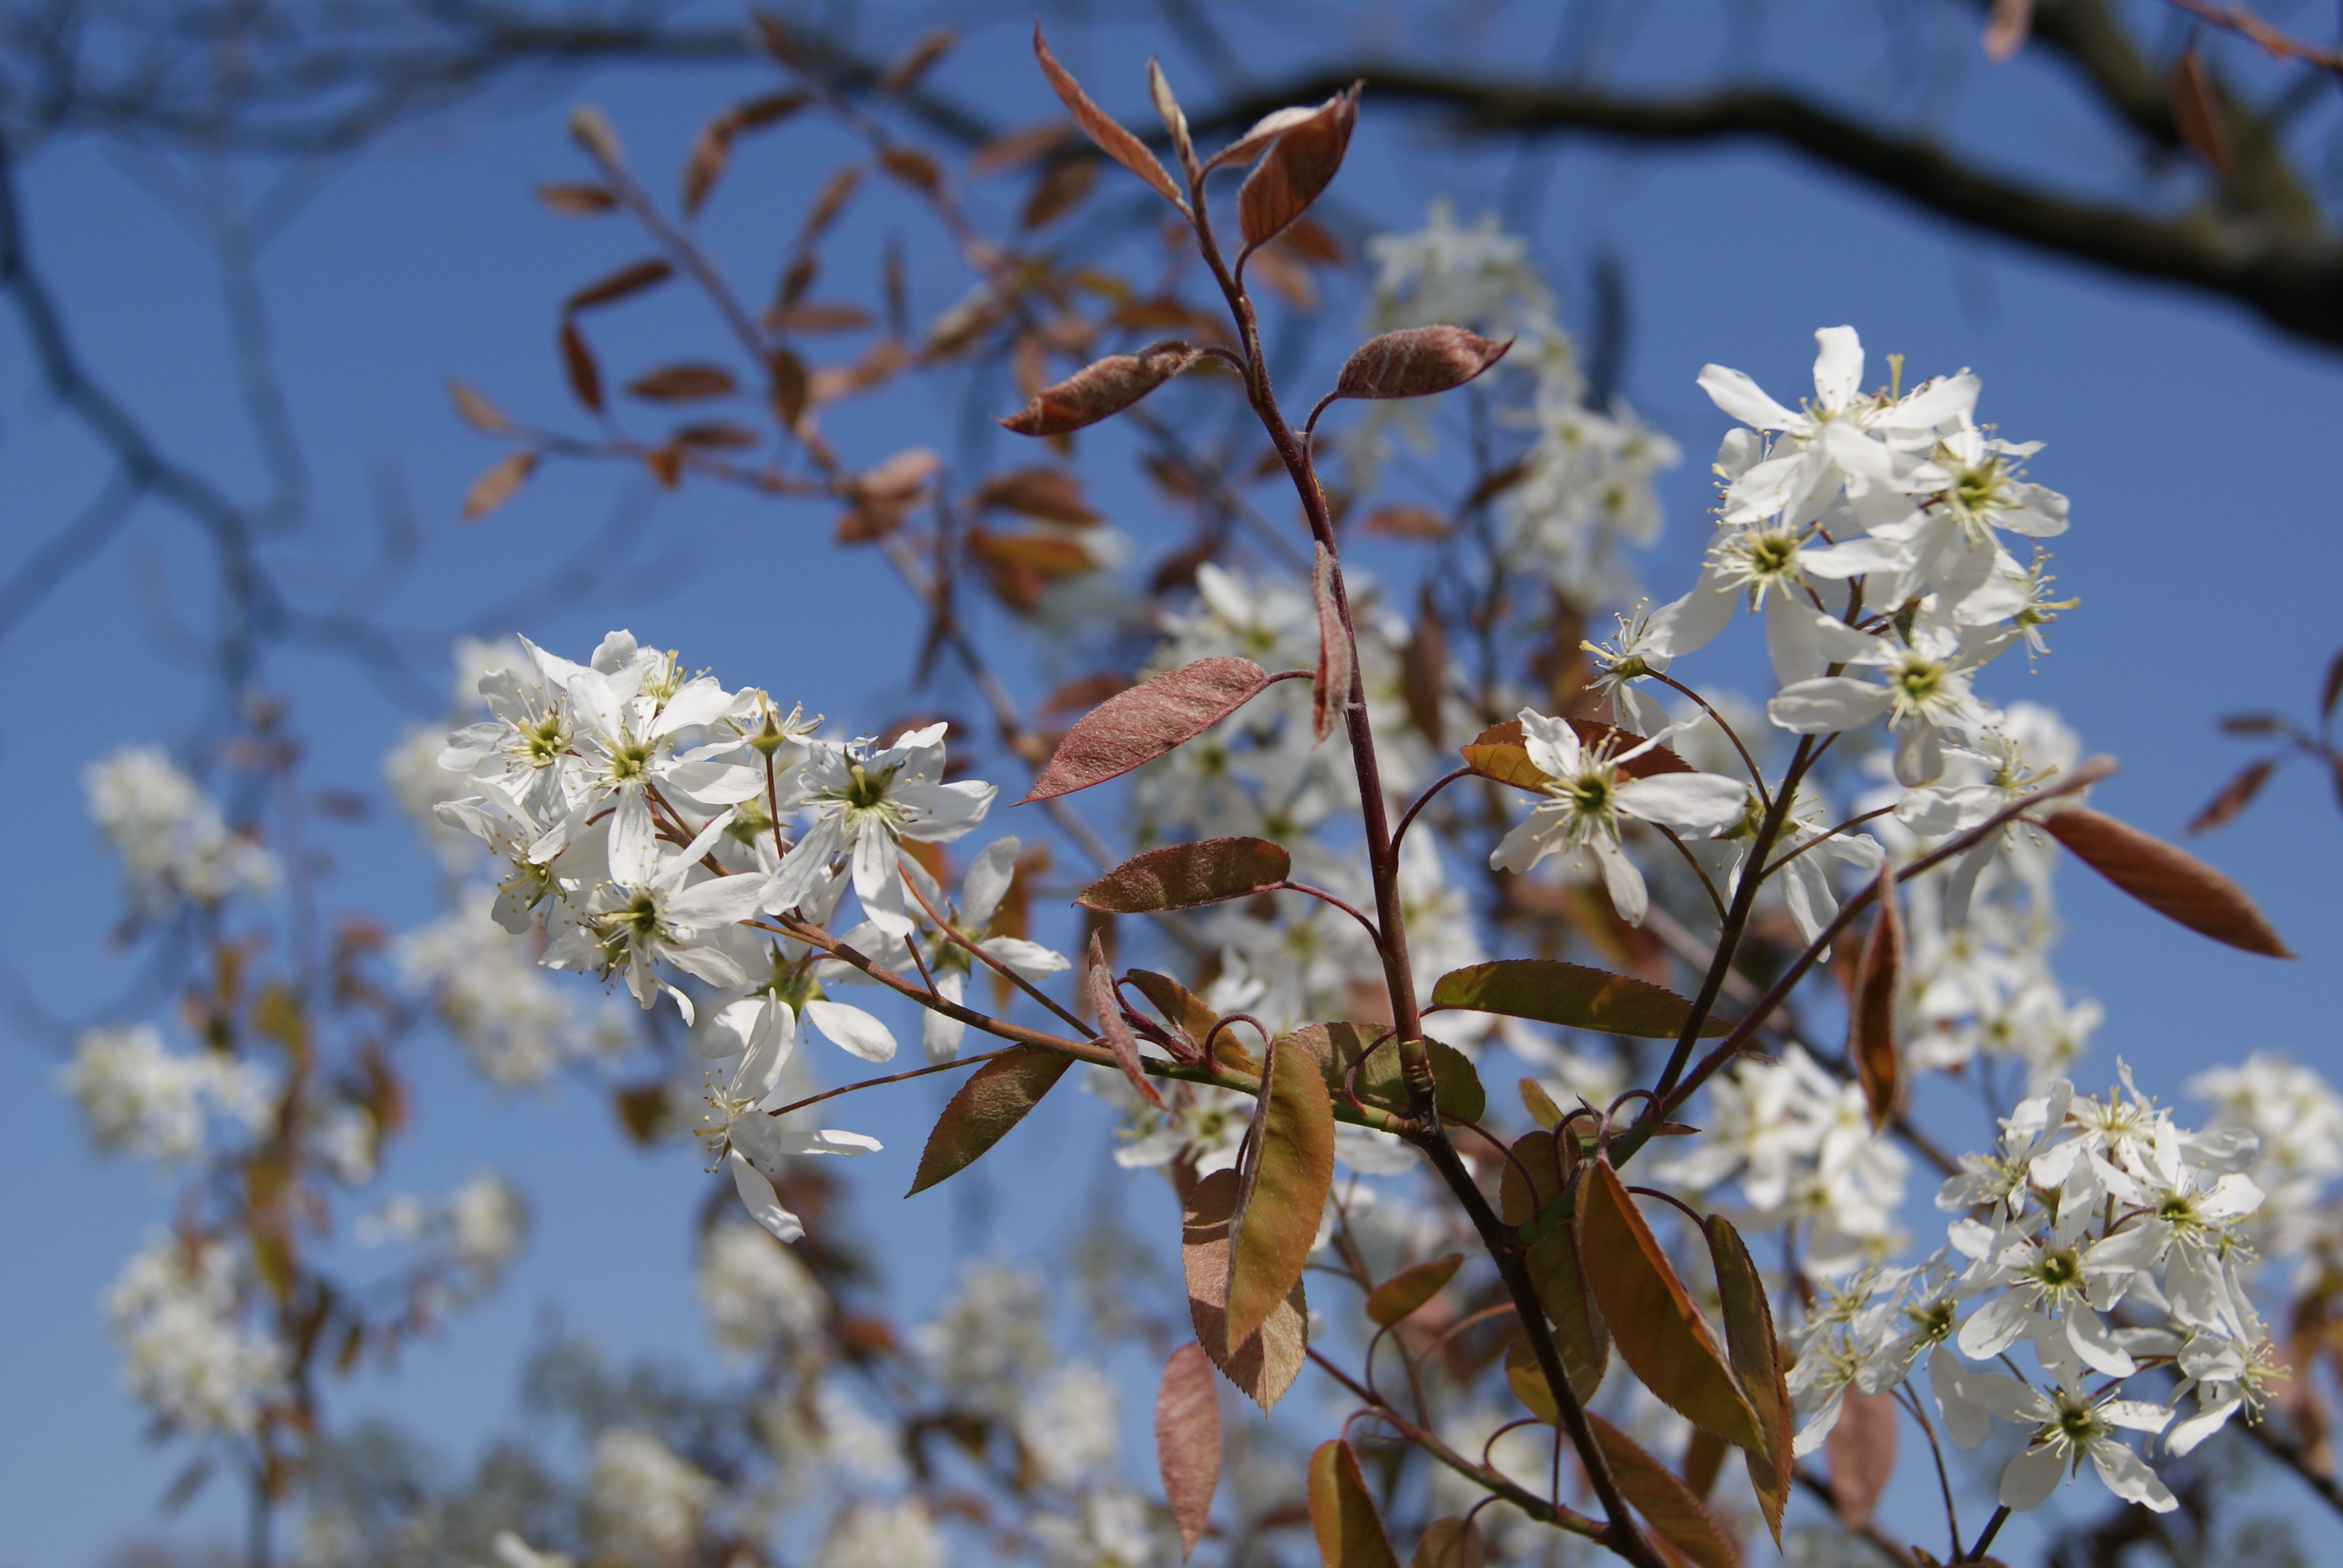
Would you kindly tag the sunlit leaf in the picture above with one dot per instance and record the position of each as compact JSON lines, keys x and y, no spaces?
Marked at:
{"x":497,"y":486}
{"x":1103,"y":127}
{"x":995,"y":1099}
{"x":1101,"y":389}
{"x":1406,"y":1291}
{"x":1666,"y":1503}
{"x":1181,"y":1009}
{"x":1343,"y":1513}
{"x":1183,"y":876}
{"x":1297,"y":167}
{"x":1265,"y":1363}
{"x":1141,"y":724}
{"x":1285,"y":1170}
{"x":1188,"y":1441}
{"x":1553,"y":992}
{"x":1417,"y":362}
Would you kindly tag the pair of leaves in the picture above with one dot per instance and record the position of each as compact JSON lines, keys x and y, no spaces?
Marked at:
{"x":1137,"y":726}
{"x":1262,"y":1363}
{"x":1285,"y":1170}
{"x":2175,"y":885}
{"x":1553,"y":992}
{"x":1871,"y":1035}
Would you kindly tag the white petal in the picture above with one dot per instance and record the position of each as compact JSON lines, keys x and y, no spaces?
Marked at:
{"x":2135,"y":1414}
{"x":718,"y":901}
{"x":1030,"y":959}
{"x":1968,"y":1423}
{"x":1625,"y":883}
{"x":1838,"y":366}
{"x":939,"y":1033}
{"x":2185,"y":1436}
{"x":827,"y":1141}
{"x":852,"y":1030}
{"x":1832,"y":702}
{"x":986,"y":882}
{"x":634,"y":848}
{"x":757,"y":1196}
{"x":2031,"y":1477}
{"x":1693,"y":622}
{"x":1737,"y":394}
{"x":2128,"y":1476}
{"x":1701,"y":803}
{"x":2088,"y":1333}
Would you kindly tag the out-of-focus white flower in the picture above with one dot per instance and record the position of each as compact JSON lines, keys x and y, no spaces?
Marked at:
{"x":139,"y":1097}
{"x":1068,"y":1426}
{"x":173,"y":1309}
{"x":884,"y":1535}
{"x":2298,"y":1120}
{"x":175,"y":848}
{"x":1110,"y":1529}
{"x":494,"y":997}
{"x":756,"y":1291}
{"x":989,"y":1344}
{"x":643,"y":1503}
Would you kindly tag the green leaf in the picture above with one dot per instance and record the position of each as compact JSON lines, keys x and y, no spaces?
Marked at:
{"x":1571,"y":995}
{"x":1343,"y":1512}
{"x":1285,"y":1171}
{"x":1263,"y":1363}
{"x":1457,"y":1088}
{"x":1756,"y":1358}
{"x":1527,"y":1380}
{"x":1450,"y":1542}
{"x":1579,"y":1332}
{"x":1406,"y":1291}
{"x":1540,"y":1105}
{"x":1661,"y":1335}
{"x":1183,"y":876}
{"x":994,"y":1099}
{"x":1666,"y":1503}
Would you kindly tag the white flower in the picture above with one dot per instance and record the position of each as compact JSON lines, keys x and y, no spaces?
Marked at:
{"x":173,"y":1309}
{"x":1924,"y":695}
{"x":2069,"y":1428}
{"x":988,"y":1342}
{"x":175,"y":848}
{"x":676,"y":913}
{"x":865,"y":803}
{"x":1067,"y":1427}
{"x":138,"y":1096}
{"x":1586,"y":799}
{"x":884,"y":1535}
{"x":983,"y":887}
{"x":756,"y":1292}
{"x":643,"y":1503}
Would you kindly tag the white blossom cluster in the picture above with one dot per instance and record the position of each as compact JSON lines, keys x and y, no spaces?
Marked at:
{"x":475,"y":1231}
{"x":643,"y":1501}
{"x":176,"y":1309}
{"x":756,"y":1291}
{"x":176,"y":849}
{"x":139,"y":1097}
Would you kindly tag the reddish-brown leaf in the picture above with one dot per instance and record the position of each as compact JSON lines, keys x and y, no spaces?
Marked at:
{"x":1183,"y":1008}
{"x":1047,"y":555}
{"x":713,"y":148}
{"x":1175,"y":118}
{"x":2235,"y":797}
{"x":477,"y":411}
{"x":918,"y":60}
{"x":1861,"y":1449}
{"x":1571,"y":995}
{"x":995,"y":1099}
{"x":1450,"y":1542}
{"x":577,"y":361}
{"x":1084,"y":691}
{"x":495,"y":488}
{"x":913,"y":168}
{"x":1297,"y":167}
{"x":1407,"y":521}
{"x":590,"y":130}
{"x":2005,"y":28}
{"x":1049,"y":495}
{"x":822,"y":316}
{"x":627,"y":280}
{"x":1057,"y":189}
{"x":1101,"y":389}
{"x":1188,"y":1441}
{"x":717,"y":434}
{"x":829,"y":202}
{"x":1330,"y":689}
{"x":683,"y":383}
{"x":1104,"y":129}
{"x":2257,"y":723}
{"x":1406,"y":1291}
{"x":1579,"y":1332}
{"x":2196,"y":114}
{"x":1666,"y":1503}
{"x":1263,"y":1363}
{"x":1343,"y":1513}
{"x":1141,"y":724}
{"x":1497,"y":752}
{"x":2331,"y":689}
{"x":1284,"y":1170}
{"x":577,"y":200}
{"x":2174,"y":884}
{"x":1109,"y":1008}
{"x":1013,"y":149}
{"x":1416,"y":362}
{"x":1757,"y":1357}
{"x":1661,"y":1333}
{"x":1183,"y":876}
{"x":1424,"y":668}
{"x":786,"y":387}
{"x":1871,"y":1042}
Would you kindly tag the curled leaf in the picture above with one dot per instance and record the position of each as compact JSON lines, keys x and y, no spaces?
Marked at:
{"x":1188,"y":1441}
{"x":995,"y":1099}
{"x":1284,"y":1172}
{"x":1871,"y":1043}
{"x":1343,"y":1513}
{"x":1109,"y":1008}
{"x":1183,"y":876}
{"x":1263,"y":1363}
{"x":1553,"y":992}
{"x":1406,"y":1291}
{"x":1103,"y":127}
{"x":1297,"y":167}
{"x":1416,"y":362}
{"x":1101,"y":388}
{"x":1757,"y":1357}
{"x":1141,"y":724}
{"x":1661,"y":1333}
{"x":1183,"y":1008}
{"x":1329,"y":688}
{"x":2174,"y":884}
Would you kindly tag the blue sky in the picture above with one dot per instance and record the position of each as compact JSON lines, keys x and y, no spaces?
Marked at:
{"x":2197,"y":448}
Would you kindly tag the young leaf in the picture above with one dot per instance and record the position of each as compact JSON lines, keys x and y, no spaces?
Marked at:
{"x":995,"y":1099}
{"x":1553,"y":992}
{"x":924,"y":52}
{"x":1263,"y":1364}
{"x":2195,"y":113}
{"x":1861,"y":1449}
{"x":1666,"y":1503}
{"x":1047,"y":495}
{"x":683,"y":383}
{"x":1104,"y":129}
{"x":1330,"y":688}
{"x":1188,"y":1441}
{"x":1406,"y":1291}
{"x":1183,"y":876}
{"x":1757,"y":1357}
{"x":1497,"y":753}
{"x":1298,"y":167}
{"x":2177,"y":886}
{"x":627,"y":280}
{"x":477,"y":411}
{"x":1527,"y":1380}
{"x":1450,"y":1542}
{"x":1336,"y":1047}
{"x":1175,"y":118}
{"x":1144,"y":723}
{"x":1109,"y":1008}
{"x":1871,"y":1013}
{"x":578,"y":360}
{"x":2235,"y":797}
{"x":1416,"y":362}
{"x":495,"y":488}
{"x":1539,"y":1104}
{"x":1285,"y":1170}
{"x":1343,"y":1513}
{"x":1579,"y":1332}
{"x":578,"y":200}
{"x":1183,"y":1008}
{"x":1101,"y":388}
{"x":1661,"y":1335}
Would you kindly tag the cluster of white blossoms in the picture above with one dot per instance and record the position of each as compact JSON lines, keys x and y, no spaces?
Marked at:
{"x":1584,"y":493}
{"x":643,"y":1501}
{"x":176,"y":849}
{"x":2296,"y":1119}
{"x":176,"y":1309}
{"x":139,"y":1097}
{"x":756,"y":1291}
{"x":473,"y":1233}
{"x":659,"y":829}
{"x":2109,"y":1242}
